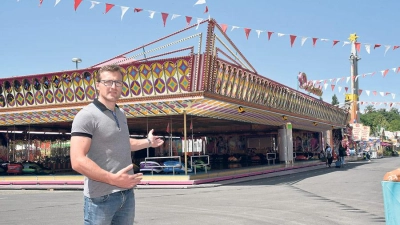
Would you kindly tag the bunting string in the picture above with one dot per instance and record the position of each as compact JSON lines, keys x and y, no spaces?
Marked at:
{"x":247,"y":30}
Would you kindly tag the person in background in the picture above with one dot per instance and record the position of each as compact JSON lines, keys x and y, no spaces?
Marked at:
{"x":101,"y":151}
{"x":342,"y":152}
{"x":329,"y":155}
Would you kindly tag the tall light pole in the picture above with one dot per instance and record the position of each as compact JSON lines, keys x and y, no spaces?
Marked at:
{"x":354,"y":109}
{"x":76,"y":61}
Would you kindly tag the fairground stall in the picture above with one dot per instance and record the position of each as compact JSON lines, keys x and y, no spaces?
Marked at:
{"x":192,"y":85}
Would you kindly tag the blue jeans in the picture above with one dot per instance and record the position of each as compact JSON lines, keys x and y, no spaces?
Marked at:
{"x":114,"y":209}
{"x":341,"y":160}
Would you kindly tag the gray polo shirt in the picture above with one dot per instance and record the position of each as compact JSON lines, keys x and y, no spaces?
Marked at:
{"x":110,"y":146}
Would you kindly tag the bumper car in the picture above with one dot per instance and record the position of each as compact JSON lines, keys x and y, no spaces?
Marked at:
{"x":175,"y":166}
{"x":150,"y":166}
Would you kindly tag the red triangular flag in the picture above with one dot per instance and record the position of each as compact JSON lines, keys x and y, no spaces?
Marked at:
{"x":77,"y":3}
{"x":377,"y":46}
{"x":385,"y":72}
{"x":167,"y":128}
{"x":108,"y":7}
{"x":314,"y":41}
{"x":292,"y":39}
{"x":396,"y":47}
{"x":137,"y":10}
{"x":391,"y":104}
{"x":358,"y":45}
{"x":374,"y":92}
{"x":335,"y":42}
{"x":164,"y":17}
{"x":40,"y":2}
{"x":387,"y":93}
{"x":188,"y":20}
{"x":398,"y":69}
{"x":206,"y":11}
{"x":224,"y":27}
{"x":269,"y":34}
{"x":346,"y":88}
{"x":247,"y":32}
{"x":359,"y":91}
{"x":332,"y":86}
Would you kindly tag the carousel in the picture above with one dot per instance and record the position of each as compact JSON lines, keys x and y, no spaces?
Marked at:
{"x":193,"y":87}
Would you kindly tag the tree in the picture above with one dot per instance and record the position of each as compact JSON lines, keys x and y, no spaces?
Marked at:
{"x":335,"y":100}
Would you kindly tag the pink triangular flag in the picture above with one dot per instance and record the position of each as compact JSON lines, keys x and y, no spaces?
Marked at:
{"x":224,"y":27}
{"x":374,"y":92}
{"x":314,"y":41}
{"x":292,"y":39}
{"x":332,"y":86}
{"x":108,"y":7}
{"x":396,"y":47}
{"x":377,"y":46}
{"x":247,"y":32}
{"x":346,"y":88}
{"x":269,"y":34}
{"x":335,"y":42}
{"x":384,"y":72}
{"x":206,"y":10}
{"x":77,"y":3}
{"x":188,"y":20}
{"x":360,"y":91}
{"x":357,"y":46}
{"x":136,"y":10}
{"x":164,"y":17}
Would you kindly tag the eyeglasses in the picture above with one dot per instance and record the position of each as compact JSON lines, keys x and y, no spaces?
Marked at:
{"x":109,"y":83}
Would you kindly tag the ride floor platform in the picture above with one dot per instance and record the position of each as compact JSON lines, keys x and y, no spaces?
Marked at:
{"x":191,"y":179}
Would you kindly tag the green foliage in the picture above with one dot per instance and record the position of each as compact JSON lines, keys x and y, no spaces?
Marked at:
{"x":376,"y":119}
{"x":335,"y":100}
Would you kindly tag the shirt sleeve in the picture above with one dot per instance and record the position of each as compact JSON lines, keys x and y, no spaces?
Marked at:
{"x":83,"y":124}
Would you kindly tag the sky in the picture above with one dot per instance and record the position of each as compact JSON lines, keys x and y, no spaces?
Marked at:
{"x":36,"y":40}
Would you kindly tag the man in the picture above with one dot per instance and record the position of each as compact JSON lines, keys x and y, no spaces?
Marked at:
{"x":101,"y":151}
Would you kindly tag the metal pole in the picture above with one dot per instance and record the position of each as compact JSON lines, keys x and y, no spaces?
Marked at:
{"x":186,"y":141}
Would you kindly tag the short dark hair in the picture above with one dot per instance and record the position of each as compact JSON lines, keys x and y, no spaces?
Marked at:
{"x":109,"y":68}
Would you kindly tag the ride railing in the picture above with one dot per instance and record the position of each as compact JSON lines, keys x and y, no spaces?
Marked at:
{"x":199,"y":163}
{"x":271,"y":157}
{"x":155,"y":159}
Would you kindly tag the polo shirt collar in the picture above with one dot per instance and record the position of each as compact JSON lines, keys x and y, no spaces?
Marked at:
{"x":101,"y":106}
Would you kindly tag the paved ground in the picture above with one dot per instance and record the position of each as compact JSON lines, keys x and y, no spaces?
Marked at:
{"x":350,"y":195}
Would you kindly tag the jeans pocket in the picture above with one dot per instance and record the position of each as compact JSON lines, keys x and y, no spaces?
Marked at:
{"x":100,"y":199}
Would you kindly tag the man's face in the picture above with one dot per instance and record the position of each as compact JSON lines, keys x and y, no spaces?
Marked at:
{"x":108,"y":90}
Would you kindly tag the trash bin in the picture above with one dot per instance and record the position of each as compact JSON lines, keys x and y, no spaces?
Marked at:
{"x":391,"y":202}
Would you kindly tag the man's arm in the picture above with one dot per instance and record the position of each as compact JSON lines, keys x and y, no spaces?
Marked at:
{"x":150,"y":141}
{"x":80,"y":147}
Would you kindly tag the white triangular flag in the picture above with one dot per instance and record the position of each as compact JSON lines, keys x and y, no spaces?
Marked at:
{"x":199,"y":2}
{"x":234,"y":27}
{"x":303,"y":40}
{"x":151,"y":13}
{"x":393,"y":95}
{"x":258,"y":33}
{"x":57,"y":1}
{"x":367,"y":91}
{"x":199,"y":20}
{"x":394,"y":70}
{"x":356,"y":78}
{"x":123,"y":11}
{"x":345,"y":43}
{"x":386,"y":49}
{"x":324,"y":39}
{"x":340,"y":89}
{"x":325,"y":85}
{"x":281,"y":35}
{"x":382,"y":94}
{"x":347,"y":79}
{"x":368,"y":48}
{"x":330,"y":80}
{"x":94,"y":3}
{"x":175,"y":16}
